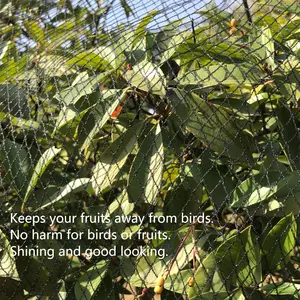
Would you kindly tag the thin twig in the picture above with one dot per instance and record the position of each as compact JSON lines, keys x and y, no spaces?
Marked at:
{"x":248,"y":14}
{"x":194,"y":33}
{"x":178,"y":249}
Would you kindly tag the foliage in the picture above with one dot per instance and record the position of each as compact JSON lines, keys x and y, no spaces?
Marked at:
{"x":179,"y":120}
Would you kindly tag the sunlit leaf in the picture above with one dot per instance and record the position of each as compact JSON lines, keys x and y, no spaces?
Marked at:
{"x":103,"y":110}
{"x":226,"y":74}
{"x":87,"y":284}
{"x":141,"y":28}
{"x":147,"y":77}
{"x":15,"y":161}
{"x":279,"y":243}
{"x":13,"y":100}
{"x":39,"y":169}
{"x":75,"y":186}
{"x":114,"y":158}
{"x":145,"y":175}
{"x":241,"y":252}
{"x":35,"y":31}
{"x":7,"y":262}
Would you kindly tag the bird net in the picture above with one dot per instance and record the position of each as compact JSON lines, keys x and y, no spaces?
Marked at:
{"x":149,"y":149}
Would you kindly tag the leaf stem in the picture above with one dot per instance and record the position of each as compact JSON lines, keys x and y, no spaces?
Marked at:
{"x":179,"y":248}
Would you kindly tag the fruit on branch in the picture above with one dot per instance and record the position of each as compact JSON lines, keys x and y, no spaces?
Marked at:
{"x":233,"y":23}
{"x":160,"y":281}
{"x":158,"y":289}
{"x":116,"y":112}
{"x":232,"y":31}
{"x":191,"y":282}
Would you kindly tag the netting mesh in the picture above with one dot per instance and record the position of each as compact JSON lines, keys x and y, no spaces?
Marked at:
{"x":149,"y":150}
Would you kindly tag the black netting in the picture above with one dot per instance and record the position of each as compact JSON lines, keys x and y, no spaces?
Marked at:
{"x":149,"y":150}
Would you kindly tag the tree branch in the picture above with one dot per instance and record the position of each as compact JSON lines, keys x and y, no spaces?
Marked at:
{"x":248,"y":14}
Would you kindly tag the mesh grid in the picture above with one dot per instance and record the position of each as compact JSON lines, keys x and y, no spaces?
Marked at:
{"x":149,"y":150}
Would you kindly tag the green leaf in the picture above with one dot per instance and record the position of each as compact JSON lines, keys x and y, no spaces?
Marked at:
{"x":176,"y":282}
{"x":147,"y":270}
{"x":217,"y":180}
{"x":257,"y":47}
{"x":126,"y":8}
{"x":102,"y":112}
{"x":35,"y":31}
{"x":285,"y":288}
{"x":114,"y":158}
{"x":268,"y":45}
{"x":4,"y":49}
{"x":217,"y":16}
{"x":79,"y":88}
{"x":137,"y":55}
{"x":215,"y":130}
{"x":243,"y":192}
{"x":87,"y":284}
{"x":213,"y":125}
{"x":174,"y":43}
{"x":88,"y":59}
{"x":145,"y":175}
{"x":288,"y":30}
{"x":62,"y":293}
{"x":103,"y":58}
{"x":15,"y":161}
{"x":39,"y":169}
{"x":10,"y":70}
{"x":55,"y":65}
{"x":120,"y":206}
{"x":203,"y":276}
{"x":288,"y":185}
{"x":288,"y":193}
{"x":7,"y":262}
{"x":218,"y":295}
{"x":140,"y":32}
{"x":13,"y":100}
{"x":225,"y":74}
{"x":283,"y":6}
{"x":75,"y":186}
{"x":288,"y":75}
{"x":261,"y":98}
{"x":256,"y":188}
{"x":102,"y":10}
{"x":166,"y":42}
{"x":6,"y":29}
{"x":11,"y":289}
{"x":289,"y":136}
{"x":65,"y":3}
{"x":184,"y":256}
{"x":61,"y":35}
{"x":279,"y":243}
{"x":238,"y":295}
{"x":257,"y":196}
{"x":36,"y":269}
{"x":18,"y":122}
{"x":82,"y":86}
{"x":68,"y":115}
{"x":187,"y":194}
{"x":147,"y":77}
{"x":205,"y":51}
{"x":240,"y":252}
